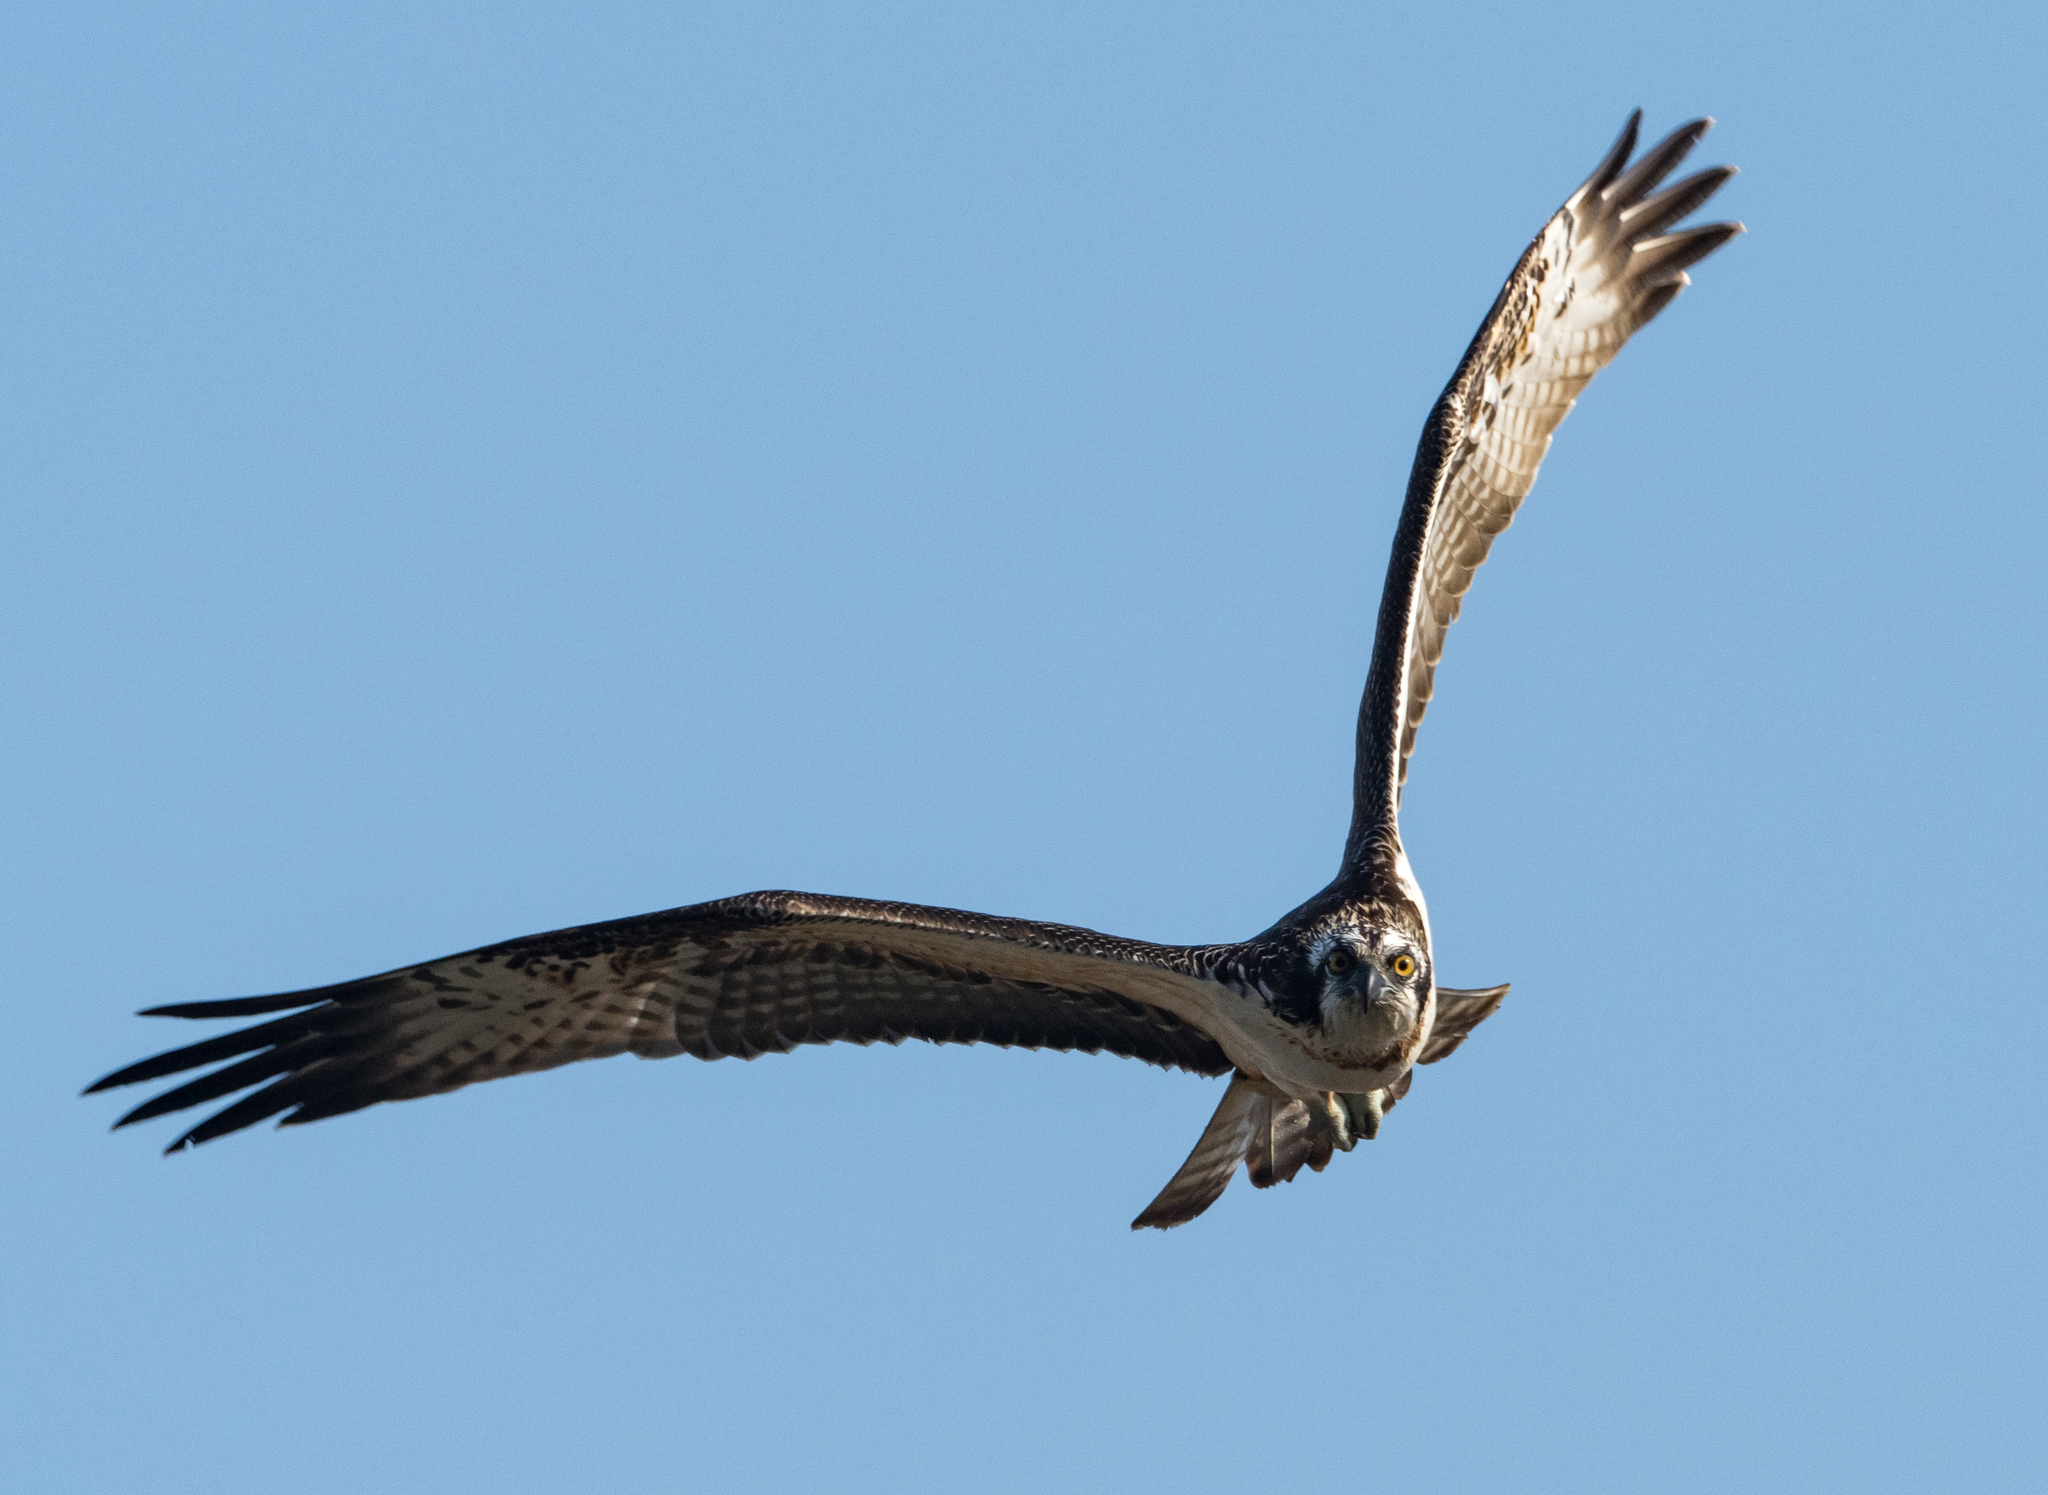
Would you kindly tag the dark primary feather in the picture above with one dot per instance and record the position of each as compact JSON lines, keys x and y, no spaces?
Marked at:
{"x":1655,"y":164}
{"x":762,"y":973}
{"x":1600,"y":270}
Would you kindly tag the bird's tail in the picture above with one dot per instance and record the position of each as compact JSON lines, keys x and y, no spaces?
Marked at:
{"x":1255,"y":1124}
{"x":1273,"y":1135}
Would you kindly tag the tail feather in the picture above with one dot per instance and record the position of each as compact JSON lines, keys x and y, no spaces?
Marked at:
{"x":1255,"y":1124}
{"x":1281,"y":1142}
{"x":1204,"y":1176}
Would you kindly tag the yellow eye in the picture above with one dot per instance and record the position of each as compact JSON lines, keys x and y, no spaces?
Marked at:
{"x":1339,"y":961}
{"x":1404,"y":966}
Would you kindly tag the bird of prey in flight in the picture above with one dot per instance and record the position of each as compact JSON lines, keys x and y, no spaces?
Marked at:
{"x":1318,"y":1022}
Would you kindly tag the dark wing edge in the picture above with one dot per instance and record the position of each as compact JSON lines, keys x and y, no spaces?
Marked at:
{"x":739,"y":977}
{"x":1604,"y":266}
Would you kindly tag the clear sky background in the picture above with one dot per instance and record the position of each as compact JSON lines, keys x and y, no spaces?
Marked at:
{"x":478,"y":469}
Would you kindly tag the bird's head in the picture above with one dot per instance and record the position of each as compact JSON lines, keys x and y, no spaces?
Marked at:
{"x":1374,"y":981}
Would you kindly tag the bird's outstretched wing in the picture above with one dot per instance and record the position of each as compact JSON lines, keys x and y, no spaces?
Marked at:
{"x":761,"y":973}
{"x":1608,"y":262}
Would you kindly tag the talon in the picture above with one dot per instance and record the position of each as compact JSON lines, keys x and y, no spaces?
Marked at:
{"x":1366,"y":1112}
{"x":1327,"y":1115}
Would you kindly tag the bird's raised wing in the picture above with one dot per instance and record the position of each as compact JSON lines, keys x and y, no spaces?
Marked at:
{"x":761,"y":973}
{"x":1606,"y":264}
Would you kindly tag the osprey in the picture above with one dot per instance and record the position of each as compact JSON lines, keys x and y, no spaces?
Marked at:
{"x":1318,"y":1022}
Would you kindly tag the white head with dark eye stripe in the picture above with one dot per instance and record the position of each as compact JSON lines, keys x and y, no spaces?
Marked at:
{"x":1375,"y":983}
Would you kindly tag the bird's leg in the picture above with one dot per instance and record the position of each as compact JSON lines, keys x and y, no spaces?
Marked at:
{"x":1327,"y":1116}
{"x":1365,"y":1112}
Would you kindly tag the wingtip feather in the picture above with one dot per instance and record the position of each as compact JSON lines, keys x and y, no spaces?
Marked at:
{"x":1616,"y":158}
{"x":1658,"y":162}
{"x":237,"y":1006}
{"x":1678,"y":250}
{"x":1657,"y":297}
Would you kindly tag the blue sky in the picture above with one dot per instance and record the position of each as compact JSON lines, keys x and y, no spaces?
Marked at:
{"x":478,"y":469}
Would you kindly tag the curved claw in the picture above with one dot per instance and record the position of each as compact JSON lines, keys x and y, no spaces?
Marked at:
{"x":1329,"y":1115}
